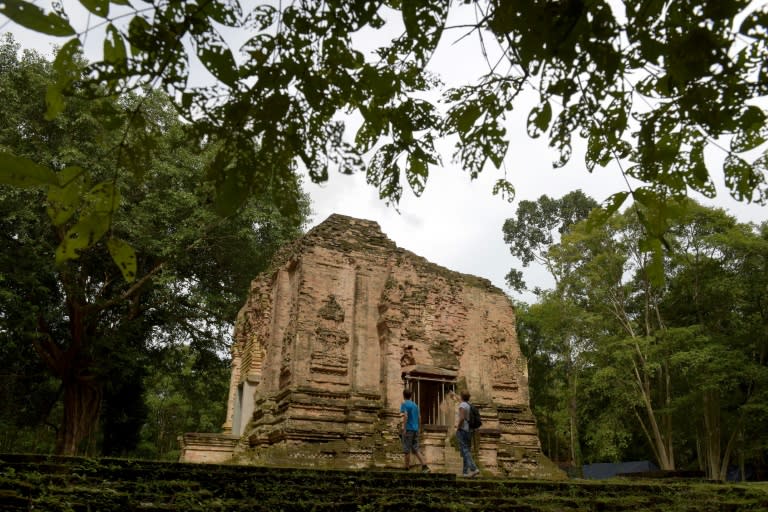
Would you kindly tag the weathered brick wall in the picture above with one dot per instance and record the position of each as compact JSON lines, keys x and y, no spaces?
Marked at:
{"x":326,"y":335}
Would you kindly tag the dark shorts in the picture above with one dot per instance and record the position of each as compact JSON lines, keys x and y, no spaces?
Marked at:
{"x":410,"y":442}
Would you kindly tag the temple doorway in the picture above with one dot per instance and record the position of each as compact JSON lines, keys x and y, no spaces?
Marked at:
{"x":431,"y":387}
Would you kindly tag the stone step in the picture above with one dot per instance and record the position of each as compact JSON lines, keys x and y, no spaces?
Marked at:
{"x":73,"y":484}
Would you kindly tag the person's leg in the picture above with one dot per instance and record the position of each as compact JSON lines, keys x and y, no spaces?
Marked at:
{"x":473,"y":471}
{"x":462,"y":450}
{"x":407,"y":440}
{"x":466,"y":451}
{"x":417,"y":449}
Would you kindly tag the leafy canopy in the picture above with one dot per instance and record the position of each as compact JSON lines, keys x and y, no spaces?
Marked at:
{"x":79,"y":319}
{"x":651,"y":84}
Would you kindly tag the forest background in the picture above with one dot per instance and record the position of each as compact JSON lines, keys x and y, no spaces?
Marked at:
{"x":95,"y":155}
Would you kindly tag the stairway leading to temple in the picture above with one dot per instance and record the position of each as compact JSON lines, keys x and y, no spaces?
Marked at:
{"x":71,"y":484}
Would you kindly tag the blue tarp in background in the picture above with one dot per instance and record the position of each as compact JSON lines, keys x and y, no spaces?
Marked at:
{"x":611,"y":469}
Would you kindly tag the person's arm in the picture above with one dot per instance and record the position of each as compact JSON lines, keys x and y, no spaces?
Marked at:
{"x":461,"y":418}
{"x":403,"y":420}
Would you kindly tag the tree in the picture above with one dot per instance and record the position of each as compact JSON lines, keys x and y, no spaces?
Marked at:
{"x":554,"y":336}
{"x":636,"y":338}
{"x":531,"y":237}
{"x":717,"y":285}
{"x":537,"y":225}
{"x":649,"y":84}
{"x":89,"y":320}
{"x":183,"y":394}
{"x":684,"y":357}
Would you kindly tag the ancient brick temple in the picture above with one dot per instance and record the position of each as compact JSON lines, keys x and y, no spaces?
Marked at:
{"x":333,"y":333}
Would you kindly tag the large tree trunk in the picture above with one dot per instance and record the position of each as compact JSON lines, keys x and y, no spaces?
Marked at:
{"x":81,"y":388}
{"x":82,"y":405}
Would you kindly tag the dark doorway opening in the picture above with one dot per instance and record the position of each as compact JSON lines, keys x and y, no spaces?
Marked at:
{"x":430,"y":391}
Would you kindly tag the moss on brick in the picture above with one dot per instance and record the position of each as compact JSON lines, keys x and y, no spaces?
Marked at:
{"x":71,"y":484}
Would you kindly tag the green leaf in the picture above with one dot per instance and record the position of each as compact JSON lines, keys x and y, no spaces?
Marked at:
{"x":614,"y":202}
{"x":655,"y":267}
{"x":699,"y":176}
{"x":67,"y":71}
{"x":140,"y":35}
{"x":65,"y":65}
{"x":754,"y":24}
{"x":741,"y":178}
{"x":227,"y":13}
{"x":384,"y":173}
{"x":88,"y":230}
{"x":752,"y":130}
{"x":645,"y":196}
{"x":420,"y":114}
{"x":23,"y":172}
{"x":97,"y":7}
{"x":424,"y":23}
{"x":465,"y":117}
{"x":54,"y":101}
{"x":114,"y":47}
{"x":102,"y":198}
{"x":505,"y":188}
{"x":594,"y":147}
{"x":63,"y":200}
{"x":760,"y":166}
{"x":232,"y":192}
{"x":32,"y":17}
{"x":263,"y":16}
{"x":538,"y":119}
{"x":99,"y":204}
{"x":417,"y":172}
{"x":600,"y":216}
{"x":216,"y":56}
{"x":124,"y":257}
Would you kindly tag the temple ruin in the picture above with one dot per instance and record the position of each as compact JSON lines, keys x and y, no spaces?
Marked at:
{"x":333,"y":333}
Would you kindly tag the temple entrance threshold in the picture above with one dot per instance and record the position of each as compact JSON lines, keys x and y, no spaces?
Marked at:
{"x":432,"y":387}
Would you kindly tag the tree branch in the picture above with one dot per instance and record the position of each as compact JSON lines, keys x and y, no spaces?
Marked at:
{"x":129,"y":292}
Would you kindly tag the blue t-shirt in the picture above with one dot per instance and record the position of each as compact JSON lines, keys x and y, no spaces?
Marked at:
{"x":412,"y":410}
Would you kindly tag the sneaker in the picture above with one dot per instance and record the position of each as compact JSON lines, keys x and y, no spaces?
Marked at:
{"x":425,"y":469}
{"x":473,"y":474}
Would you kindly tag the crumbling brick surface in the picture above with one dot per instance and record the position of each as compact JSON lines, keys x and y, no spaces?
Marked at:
{"x":327,"y":335}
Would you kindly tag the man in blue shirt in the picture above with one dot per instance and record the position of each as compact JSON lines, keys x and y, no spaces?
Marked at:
{"x":409,"y":414}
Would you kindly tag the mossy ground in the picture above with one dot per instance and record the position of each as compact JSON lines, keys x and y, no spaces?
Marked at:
{"x":29,"y":482}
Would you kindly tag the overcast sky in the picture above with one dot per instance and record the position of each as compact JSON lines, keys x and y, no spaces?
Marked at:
{"x":456,"y":222}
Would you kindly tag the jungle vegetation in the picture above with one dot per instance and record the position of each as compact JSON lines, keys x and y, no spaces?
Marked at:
{"x":624,"y":368}
{"x":100,"y":147}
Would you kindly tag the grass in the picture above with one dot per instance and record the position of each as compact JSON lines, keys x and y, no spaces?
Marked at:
{"x":71,"y":484}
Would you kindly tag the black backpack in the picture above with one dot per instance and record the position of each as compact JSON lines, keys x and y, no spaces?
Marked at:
{"x":474,"y":418}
